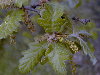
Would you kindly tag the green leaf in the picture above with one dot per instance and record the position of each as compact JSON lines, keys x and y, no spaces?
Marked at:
{"x":10,"y":23}
{"x":49,"y":49}
{"x":92,"y":49}
{"x":88,"y":51}
{"x":58,"y":56}
{"x":19,"y":3}
{"x":32,"y":56}
{"x":51,"y":19}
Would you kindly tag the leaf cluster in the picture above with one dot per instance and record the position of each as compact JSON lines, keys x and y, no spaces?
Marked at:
{"x":55,"y":48}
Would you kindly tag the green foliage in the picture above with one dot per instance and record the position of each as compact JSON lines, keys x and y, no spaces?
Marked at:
{"x":11,"y":23}
{"x":85,"y":47}
{"x":19,"y":3}
{"x":56,"y":47}
{"x":44,"y":60}
{"x":32,"y":56}
{"x":51,"y":19}
{"x":58,"y":56}
{"x":55,"y":53}
{"x":92,"y":49}
{"x":88,"y":51}
{"x":90,"y":28}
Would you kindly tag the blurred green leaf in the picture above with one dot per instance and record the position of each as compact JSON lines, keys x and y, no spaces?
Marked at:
{"x":73,"y":3}
{"x":90,"y":28}
{"x":79,"y":3}
{"x":27,"y":34}
{"x":35,"y":18}
{"x":19,"y":3}
{"x":11,"y":23}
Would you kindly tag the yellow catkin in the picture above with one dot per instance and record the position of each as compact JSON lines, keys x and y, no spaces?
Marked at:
{"x":73,"y":46}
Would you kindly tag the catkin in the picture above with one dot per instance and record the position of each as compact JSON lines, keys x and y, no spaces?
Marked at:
{"x":73,"y":46}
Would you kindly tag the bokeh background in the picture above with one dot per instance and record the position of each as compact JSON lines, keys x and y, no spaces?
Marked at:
{"x":11,"y":53}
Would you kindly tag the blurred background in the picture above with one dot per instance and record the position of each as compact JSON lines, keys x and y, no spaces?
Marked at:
{"x":11,"y":53}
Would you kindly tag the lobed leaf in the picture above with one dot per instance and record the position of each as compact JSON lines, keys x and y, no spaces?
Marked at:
{"x":10,"y":23}
{"x":32,"y":56}
{"x":58,"y":56}
{"x":51,"y":19}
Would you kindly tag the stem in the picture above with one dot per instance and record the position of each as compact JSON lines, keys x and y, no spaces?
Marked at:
{"x":73,"y":67}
